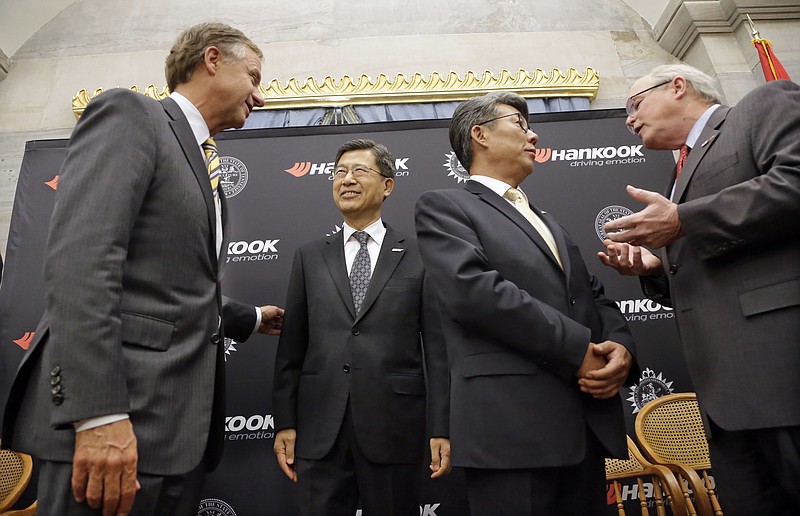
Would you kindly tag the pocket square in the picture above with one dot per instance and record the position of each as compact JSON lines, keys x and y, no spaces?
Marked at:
{"x":397,"y":250}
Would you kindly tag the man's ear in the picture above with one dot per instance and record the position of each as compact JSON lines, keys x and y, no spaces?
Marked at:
{"x":478,"y":134}
{"x":211,"y":59}
{"x":680,"y":87}
{"x":388,"y":186}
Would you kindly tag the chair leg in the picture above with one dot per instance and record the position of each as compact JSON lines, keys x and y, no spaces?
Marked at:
{"x":712,"y":495}
{"x":618,"y":498}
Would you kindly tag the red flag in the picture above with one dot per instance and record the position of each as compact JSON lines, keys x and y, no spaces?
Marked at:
{"x":772,"y":68}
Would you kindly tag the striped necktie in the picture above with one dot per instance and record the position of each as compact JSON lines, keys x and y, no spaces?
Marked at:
{"x":681,"y":160}
{"x":212,"y":163}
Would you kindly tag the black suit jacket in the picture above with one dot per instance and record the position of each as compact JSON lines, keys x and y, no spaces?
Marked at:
{"x":734,"y":279}
{"x":517,"y":328}
{"x":379,"y":360}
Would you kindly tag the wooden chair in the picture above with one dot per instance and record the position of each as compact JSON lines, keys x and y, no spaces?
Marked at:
{"x":667,"y":493}
{"x":15,"y":473}
{"x":670,"y":432}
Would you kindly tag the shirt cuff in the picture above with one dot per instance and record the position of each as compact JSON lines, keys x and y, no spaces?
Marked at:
{"x":258,"y":319}
{"x":94,"y":422}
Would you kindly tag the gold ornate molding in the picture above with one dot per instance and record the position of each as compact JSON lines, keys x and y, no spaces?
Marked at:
{"x":436,"y":88}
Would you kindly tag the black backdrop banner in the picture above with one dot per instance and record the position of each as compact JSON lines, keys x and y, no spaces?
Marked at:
{"x":278,"y":183}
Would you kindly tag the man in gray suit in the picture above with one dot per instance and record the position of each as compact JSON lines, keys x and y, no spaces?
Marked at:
{"x":352,"y":362}
{"x":730,"y":266}
{"x":122,"y":389}
{"x":537,"y":353}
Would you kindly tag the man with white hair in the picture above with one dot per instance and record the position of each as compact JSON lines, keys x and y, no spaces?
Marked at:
{"x":730,"y":266}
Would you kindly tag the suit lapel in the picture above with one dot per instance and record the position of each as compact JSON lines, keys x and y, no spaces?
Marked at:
{"x":706,"y":139}
{"x":333,"y":254}
{"x":183,"y":133}
{"x":388,"y":259}
{"x":500,"y":204}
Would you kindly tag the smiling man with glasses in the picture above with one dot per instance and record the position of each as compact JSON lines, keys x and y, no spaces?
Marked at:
{"x":537,"y":353}
{"x":353,"y":373}
{"x":730,"y":268}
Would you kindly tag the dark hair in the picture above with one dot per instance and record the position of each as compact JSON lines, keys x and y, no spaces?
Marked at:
{"x":382,"y":155}
{"x":475,"y":111}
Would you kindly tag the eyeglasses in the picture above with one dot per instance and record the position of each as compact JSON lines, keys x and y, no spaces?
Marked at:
{"x":523,"y":124}
{"x":359,"y":171}
{"x":631,"y":106}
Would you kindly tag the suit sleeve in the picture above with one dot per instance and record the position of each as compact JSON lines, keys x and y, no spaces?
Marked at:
{"x":292,"y":348}
{"x":103,"y":182}
{"x":763,"y":210}
{"x":239,"y":319}
{"x":436,"y":368}
{"x":480,"y":300}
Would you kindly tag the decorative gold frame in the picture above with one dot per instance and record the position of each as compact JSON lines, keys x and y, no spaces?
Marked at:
{"x":436,"y":88}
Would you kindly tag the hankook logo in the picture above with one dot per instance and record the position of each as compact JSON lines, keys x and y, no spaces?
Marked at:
{"x":25,"y":341}
{"x":303,"y":168}
{"x":593,"y":156}
{"x":254,"y":251}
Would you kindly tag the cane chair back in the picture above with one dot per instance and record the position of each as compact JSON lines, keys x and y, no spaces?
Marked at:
{"x":666,"y":493}
{"x":15,"y":473}
{"x":670,"y":432}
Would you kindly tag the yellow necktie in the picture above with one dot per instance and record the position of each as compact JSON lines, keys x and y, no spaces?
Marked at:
{"x":212,"y":163}
{"x":521,"y":204}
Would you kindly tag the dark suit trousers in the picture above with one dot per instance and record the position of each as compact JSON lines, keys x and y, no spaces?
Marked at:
{"x":176,"y":495}
{"x":577,"y":490}
{"x":333,"y":485}
{"x":757,"y":471}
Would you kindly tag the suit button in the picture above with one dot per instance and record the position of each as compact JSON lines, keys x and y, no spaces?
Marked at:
{"x":55,"y":380}
{"x":58,"y":399}
{"x":55,"y":371}
{"x":673,"y":269}
{"x":55,"y":389}
{"x":346,"y":368}
{"x":215,"y":338}
{"x":355,"y":331}
{"x":571,"y":300}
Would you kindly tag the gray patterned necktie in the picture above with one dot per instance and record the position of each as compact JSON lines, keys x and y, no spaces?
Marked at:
{"x":360,"y":272}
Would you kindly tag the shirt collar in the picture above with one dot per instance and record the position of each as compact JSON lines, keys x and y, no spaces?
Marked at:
{"x":493,"y":184}
{"x":192,"y":114}
{"x":376,"y":231}
{"x":698,"y":126}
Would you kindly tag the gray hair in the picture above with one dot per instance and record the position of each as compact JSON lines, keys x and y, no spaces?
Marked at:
{"x":383,"y":157}
{"x":704,"y":86}
{"x":475,"y":111}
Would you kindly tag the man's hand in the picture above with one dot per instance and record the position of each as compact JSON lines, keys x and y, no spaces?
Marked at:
{"x":655,"y":226}
{"x":606,"y":381}
{"x":440,"y":457}
{"x":271,"y":320}
{"x":630,"y":260}
{"x":104,"y":467}
{"x":591,"y":361}
{"x":284,"y":451}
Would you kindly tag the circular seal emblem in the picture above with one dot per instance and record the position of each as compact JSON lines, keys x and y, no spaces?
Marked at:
{"x":608,"y":214}
{"x":233,"y":175}
{"x":214,"y":507}
{"x":454,"y":167}
{"x":649,"y":388}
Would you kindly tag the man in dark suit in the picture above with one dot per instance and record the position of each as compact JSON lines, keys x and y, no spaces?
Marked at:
{"x":122,"y":389}
{"x":537,"y":354}
{"x":352,"y":362}
{"x":730,"y":267}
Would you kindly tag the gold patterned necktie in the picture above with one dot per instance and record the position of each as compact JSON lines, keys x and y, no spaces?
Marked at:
{"x":360,"y":271}
{"x":522,"y":206}
{"x":212,"y":164}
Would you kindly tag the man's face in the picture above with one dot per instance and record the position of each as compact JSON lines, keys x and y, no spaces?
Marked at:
{"x":511,"y":142}
{"x":237,"y":90}
{"x":359,"y":194}
{"x":652,"y":114}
